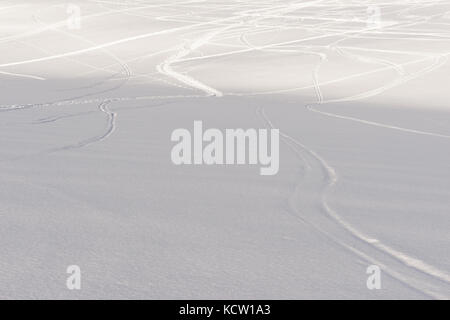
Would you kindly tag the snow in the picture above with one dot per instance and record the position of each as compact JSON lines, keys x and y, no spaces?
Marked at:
{"x":86,"y":116}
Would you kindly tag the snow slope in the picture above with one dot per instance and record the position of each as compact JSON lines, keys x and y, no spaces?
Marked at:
{"x":358,"y":89}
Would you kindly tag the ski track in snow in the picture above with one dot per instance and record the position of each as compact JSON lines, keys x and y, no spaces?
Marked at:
{"x":111,"y":126}
{"x":333,"y":178}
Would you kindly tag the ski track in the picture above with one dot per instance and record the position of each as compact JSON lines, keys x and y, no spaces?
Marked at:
{"x":333,"y":178}
{"x":331,"y":173}
{"x":111,"y":126}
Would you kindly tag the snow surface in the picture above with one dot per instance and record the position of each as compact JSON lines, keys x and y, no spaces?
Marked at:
{"x":86,"y":177}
